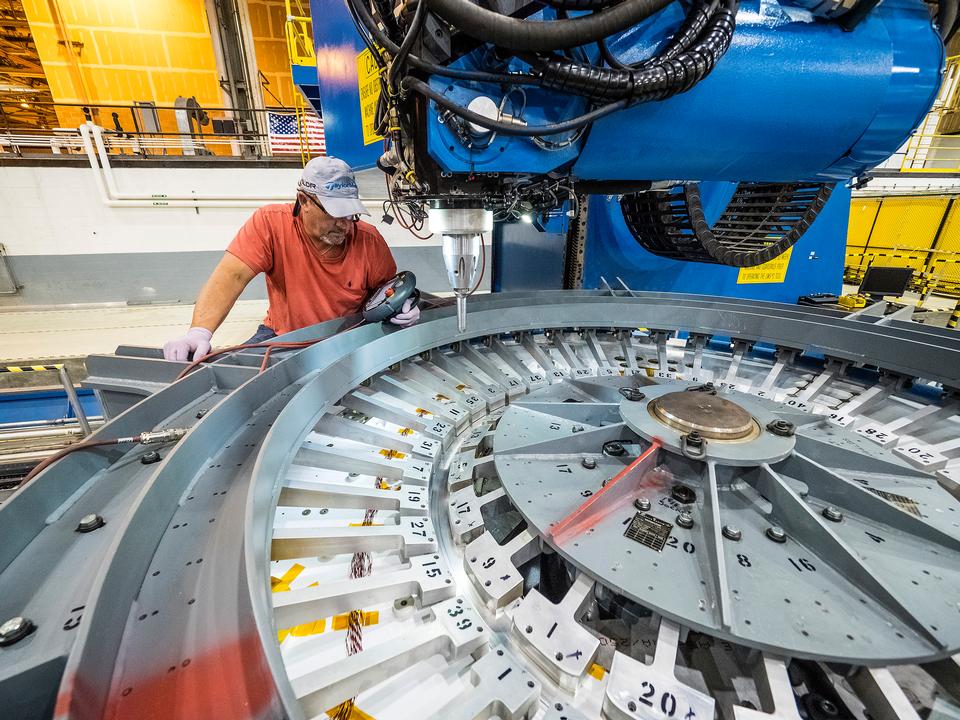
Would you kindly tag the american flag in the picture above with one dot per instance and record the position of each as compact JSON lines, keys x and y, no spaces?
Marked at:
{"x":285,"y":139}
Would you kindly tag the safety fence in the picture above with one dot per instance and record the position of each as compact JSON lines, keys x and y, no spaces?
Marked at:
{"x":922,"y":233}
{"x":935,"y":145}
{"x":182,"y":130}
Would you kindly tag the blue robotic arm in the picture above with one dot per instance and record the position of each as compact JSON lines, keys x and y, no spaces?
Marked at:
{"x":501,"y":108}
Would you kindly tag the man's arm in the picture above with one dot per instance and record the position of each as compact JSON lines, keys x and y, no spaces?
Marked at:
{"x":221,"y":291}
{"x":216,"y":299}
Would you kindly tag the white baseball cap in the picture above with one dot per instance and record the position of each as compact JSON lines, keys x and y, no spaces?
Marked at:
{"x":331,"y":181}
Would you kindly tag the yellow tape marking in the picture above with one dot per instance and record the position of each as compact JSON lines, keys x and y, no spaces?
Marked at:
{"x":423,"y":413}
{"x":13,"y":368}
{"x":596,"y":671}
{"x":392,"y":454}
{"x":405,"y":431}
{"x":440,"y":397}
{"x":355,"y":712}
{"x":282,"y":583}
{"x":365,"y":524}
{"x":341,"y":622}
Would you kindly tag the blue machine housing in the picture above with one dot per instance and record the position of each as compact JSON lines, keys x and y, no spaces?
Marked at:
{"x":815,"y":262}
{"x":794,"y":98}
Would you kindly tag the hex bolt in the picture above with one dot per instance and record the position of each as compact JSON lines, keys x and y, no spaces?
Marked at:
{"x":151,"y":457}
{"x":15,"y":629}
{"x":641,"y":504}
{"x":731,"y":533}
{"x":201,"y":413}
{"x":612,"y":447}
{"x":632,"y":394}
{"x":694,"y":439}
{"x":589,"y":463}
{"x":777,"y":534}
{"x":91,"y":522}
{"x":827,"y":707}
{"x":781,"y":428}
{"x":685,"y":520}
{"x":832,"y":514}
{"x":683,"y":494}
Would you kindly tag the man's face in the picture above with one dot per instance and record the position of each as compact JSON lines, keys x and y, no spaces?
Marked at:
{"x":319,"y":224}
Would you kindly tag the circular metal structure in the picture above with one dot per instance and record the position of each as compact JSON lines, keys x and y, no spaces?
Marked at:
{"x":714,"y":417}
{"x":341,"y":534}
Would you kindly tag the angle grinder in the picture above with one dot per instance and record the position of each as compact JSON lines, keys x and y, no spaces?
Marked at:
{"x":389,"y":298}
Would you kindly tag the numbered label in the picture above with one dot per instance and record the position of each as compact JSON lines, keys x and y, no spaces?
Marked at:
{"x":658,"y":697}
{"x":921,"y":455}
{"x":878,"y":433}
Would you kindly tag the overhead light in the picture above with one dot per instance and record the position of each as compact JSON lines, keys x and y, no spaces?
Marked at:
{"x":527,"y":218}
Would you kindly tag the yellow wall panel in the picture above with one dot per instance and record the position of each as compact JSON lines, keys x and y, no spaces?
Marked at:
{"x":182,"y":16}
{"x":268,"y":27}
{"x":124,"y":48}
{"x":259,"y":19}
{"x":908,"y":222}
{"x":131,"y":50}
{"x":862,"y":215}
{"x":950,"y":235}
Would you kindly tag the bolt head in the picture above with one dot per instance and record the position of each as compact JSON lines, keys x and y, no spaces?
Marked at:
{"x":149,"y":458}
{"x":614,"y":448}
{"x":589,"y":463}
{"x":685,"y":520}
{"x":642,"y":504}
{"x":731,"y":533}
{"x":89,"y":523}
{"x":777,"y":534}
{"x":781,"y":428}
{"x":15,"y":629}
{"x":832,"y":514}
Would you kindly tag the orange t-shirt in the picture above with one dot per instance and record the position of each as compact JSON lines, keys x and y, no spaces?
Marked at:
{"x":303,"y":286}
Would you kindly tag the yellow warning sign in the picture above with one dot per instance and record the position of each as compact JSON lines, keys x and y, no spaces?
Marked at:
{"x":368,"y":83}
{"x":774,"y":271}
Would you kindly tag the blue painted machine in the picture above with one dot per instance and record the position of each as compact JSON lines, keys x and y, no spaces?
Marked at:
{"x":709,"y":131}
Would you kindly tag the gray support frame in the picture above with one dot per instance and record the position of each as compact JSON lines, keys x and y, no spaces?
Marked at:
{"x":81,"y":666}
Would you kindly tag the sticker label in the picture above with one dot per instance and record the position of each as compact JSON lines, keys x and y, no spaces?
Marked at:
{"x":774,"y":271}
{"x":368,"y":84}
{"x":878,"y":433}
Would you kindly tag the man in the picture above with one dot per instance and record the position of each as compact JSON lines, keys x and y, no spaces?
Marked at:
{"x":320,"y":260}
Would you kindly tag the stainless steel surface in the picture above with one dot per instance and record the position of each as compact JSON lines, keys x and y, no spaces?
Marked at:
{"x":276,"y":455}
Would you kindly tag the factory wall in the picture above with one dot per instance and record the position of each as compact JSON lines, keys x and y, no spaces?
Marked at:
{"x":66,"y":246}
{"x":919,"y":232}
{"x":268,"y":27}
{"x":124,"y":50}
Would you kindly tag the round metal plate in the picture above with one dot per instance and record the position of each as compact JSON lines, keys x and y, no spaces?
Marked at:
{"x":732,"y":423}
{"x":794,"y":595}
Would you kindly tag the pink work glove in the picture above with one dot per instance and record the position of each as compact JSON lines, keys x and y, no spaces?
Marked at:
{"x":196,"y":341}
{"x":408,"y":315}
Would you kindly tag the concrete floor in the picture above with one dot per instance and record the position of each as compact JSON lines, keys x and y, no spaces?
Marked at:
{"x":46,"y":334}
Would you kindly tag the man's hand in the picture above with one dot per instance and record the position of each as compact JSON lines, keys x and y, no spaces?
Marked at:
{"x":408,"y":315}
{"x":196,"y":341}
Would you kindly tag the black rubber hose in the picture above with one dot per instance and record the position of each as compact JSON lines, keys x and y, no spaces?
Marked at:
{"x":404,"y":50}
{"x":366,"y":19}
{"x":656,"y":82}
{"x":539,"y":36}
{"x":411,"y":83}
{"x":686,"y":34}
{"x":946,"y":18}
{"x":582,"y":4}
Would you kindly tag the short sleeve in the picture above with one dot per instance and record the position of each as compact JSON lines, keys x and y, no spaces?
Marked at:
{"x":254,"y":243}
{"x":381,"y":265}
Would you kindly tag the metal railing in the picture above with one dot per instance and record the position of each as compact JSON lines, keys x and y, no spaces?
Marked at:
{"x":151,"y":130}
{"x":930,"y":148}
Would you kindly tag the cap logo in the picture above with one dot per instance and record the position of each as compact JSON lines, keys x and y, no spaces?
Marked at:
{"x":346,"y":183}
